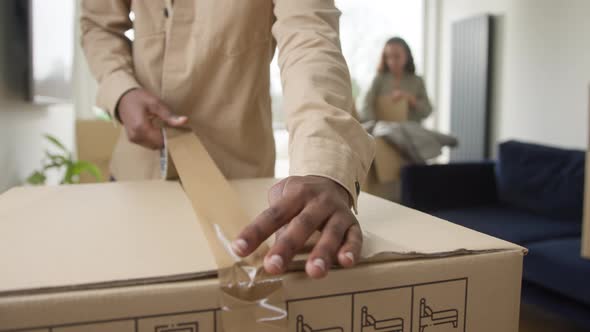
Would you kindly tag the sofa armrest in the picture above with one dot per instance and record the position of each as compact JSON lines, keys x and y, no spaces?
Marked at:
{"x":436,"y":187}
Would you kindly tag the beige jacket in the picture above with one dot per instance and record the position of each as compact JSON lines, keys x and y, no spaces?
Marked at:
{"x":209,"y":60}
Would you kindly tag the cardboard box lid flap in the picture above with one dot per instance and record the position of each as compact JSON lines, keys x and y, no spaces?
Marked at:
{"x":85,"y":236}
{"x":96,"y":234}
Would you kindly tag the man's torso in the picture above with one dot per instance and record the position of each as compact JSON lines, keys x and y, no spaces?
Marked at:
{"x":208,"y":59}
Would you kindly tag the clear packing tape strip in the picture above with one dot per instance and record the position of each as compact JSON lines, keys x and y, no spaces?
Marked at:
{"x":250,"y":299}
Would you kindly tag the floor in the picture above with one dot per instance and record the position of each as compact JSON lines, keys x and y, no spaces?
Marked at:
{"x":535,"y":320}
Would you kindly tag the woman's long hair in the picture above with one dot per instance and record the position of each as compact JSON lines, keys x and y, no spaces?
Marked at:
{"x":409,"y":68}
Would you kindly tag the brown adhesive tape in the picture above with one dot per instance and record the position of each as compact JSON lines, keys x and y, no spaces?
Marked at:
{"x":251,"y":299}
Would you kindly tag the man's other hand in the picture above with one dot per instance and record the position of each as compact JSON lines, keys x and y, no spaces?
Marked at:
{"x":300,"y":206}
{"x":138,"y":110}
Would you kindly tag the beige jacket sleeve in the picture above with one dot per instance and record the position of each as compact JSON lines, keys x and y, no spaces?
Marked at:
{"x":325,"y":139}
{"x":107,"y":49}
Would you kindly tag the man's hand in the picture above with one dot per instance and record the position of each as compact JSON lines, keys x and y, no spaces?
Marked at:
{"x":137,"y":111}
{"x":301,"y":206}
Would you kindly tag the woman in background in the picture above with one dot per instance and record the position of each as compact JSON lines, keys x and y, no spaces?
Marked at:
{"x":396,"y":76}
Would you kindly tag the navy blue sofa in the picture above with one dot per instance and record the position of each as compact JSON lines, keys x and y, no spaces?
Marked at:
{"x":532,"y":196}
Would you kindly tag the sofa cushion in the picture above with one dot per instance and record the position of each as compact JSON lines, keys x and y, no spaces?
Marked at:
{"x":556,"y":265}
{"x":510,"y":224}
{"x":541,"y":179}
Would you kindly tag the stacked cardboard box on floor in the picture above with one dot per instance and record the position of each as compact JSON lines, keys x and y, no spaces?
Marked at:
{"x":131,"y":257}
{"x":95,"y":142}
{"x":134,"y":256}
{"x":384,"y":176}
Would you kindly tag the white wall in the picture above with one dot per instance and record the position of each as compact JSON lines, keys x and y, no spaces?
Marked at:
{"x":21,"y":128}
{"x":541,"y":67}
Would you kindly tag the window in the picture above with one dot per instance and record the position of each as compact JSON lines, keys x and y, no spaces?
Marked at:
{"x":51,"y":39}
{"x":364,"y":28}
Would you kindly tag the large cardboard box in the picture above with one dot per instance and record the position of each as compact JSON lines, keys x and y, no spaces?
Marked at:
{"x":133,"y":257}
{"x":383,"y":179}
{"x":152,"y":256}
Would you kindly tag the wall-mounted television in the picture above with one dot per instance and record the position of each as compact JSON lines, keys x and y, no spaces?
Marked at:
{"x":37,"y":49}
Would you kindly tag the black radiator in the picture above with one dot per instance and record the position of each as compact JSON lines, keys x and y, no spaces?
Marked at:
{"x":471,"y":87}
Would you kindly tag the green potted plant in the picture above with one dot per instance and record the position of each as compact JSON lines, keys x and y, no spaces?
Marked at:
{"x":62,"y":161}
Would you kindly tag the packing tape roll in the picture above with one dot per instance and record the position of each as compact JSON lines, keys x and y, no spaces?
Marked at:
{"x":251,"y":299}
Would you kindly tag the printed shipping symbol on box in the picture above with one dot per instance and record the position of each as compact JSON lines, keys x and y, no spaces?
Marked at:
{"x":435,"y":306}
